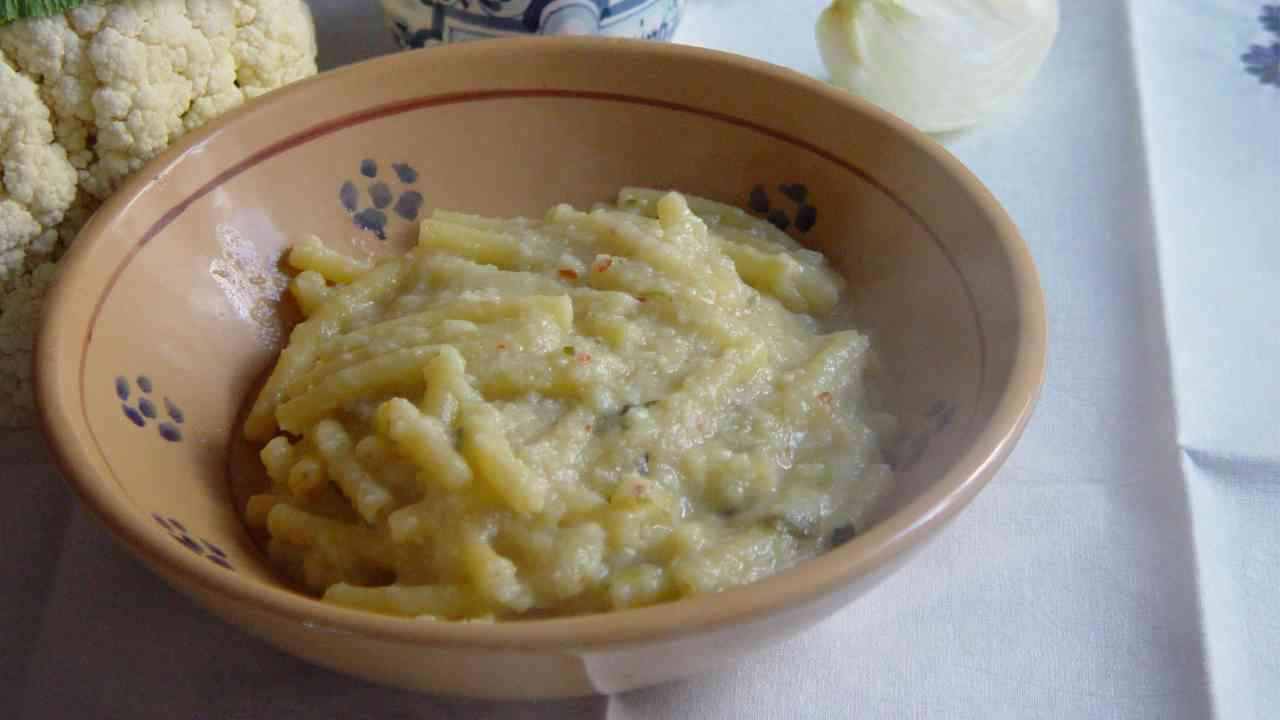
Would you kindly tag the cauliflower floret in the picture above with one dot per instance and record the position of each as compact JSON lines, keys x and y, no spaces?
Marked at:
{"x":19,"y":313}
{"x":87,"y":97}
{"x":38,"y":183}
{"x":272,"y":45}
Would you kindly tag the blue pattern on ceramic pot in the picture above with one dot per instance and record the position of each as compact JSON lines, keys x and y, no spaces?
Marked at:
{"x":420,"y":23}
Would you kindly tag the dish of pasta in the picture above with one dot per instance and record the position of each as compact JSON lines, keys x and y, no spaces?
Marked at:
{"x":596,"y":410}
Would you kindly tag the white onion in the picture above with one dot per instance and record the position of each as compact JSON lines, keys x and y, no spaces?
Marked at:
{"x":939,"y":64}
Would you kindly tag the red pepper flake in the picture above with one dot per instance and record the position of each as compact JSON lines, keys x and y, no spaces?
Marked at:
{"x":825,"y":398}
{"x":584,"y":358}
{"x":502,"y":346}
{"x":604,"y":264}
{"x":642,"y":299}
{"x":568,"y":273}
{"x":588,"y":427}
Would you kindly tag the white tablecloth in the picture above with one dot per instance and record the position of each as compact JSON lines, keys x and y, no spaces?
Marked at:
{"x":1125,"y":564}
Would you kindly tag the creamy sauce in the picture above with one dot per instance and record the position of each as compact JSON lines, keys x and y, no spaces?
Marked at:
{"x":594,"y":411}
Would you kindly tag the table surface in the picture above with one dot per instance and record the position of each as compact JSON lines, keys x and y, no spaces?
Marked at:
{"x":1124,"y":564}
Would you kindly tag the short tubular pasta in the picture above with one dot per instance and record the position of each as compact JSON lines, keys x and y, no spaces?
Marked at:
{"x":486,"y":449}
{"x":310,"y":290}
{"x":352,"y":383}
{"x":312,"y":255}
{"x":487,"y":246}
{"x":798,"y":288}
{"x":476,"y":310}
{"x":277,"y":457}
{"x":425,"y":440}
{"x":678,"y":248}
{"x":446,"y":385}
{"x":328,"y":320}
{"x":306,"y":476}
{"x":368,"y":496}
{"x":308,"y":530}
{"x":587,"y":411}
{"x":724,"y":218}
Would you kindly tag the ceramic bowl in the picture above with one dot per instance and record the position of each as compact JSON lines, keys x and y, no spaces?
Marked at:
{"x":420,"y":23}
{"x":168,"y":312}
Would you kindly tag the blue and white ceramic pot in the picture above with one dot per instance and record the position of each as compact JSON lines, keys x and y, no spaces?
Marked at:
{"x":420,"y":23}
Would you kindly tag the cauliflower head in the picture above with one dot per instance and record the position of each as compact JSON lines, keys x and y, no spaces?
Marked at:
{"x":87,"y":97}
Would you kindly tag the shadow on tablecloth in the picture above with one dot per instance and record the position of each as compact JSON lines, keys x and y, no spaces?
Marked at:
{"x":115,"y":641}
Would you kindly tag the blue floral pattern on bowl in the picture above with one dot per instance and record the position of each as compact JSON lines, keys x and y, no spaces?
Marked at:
{"x":142,"y":408}
{"x":909,"y":447}
{"x":841,"y":535}
{"x":797,"y":209}
{"x":201,"y":547}
{"x":420,"y":23}
{"x":1263,"y":61}
{"x":903,"y":453}
{"x":372,"y":208}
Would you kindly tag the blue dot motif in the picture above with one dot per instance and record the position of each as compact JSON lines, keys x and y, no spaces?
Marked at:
{"x":1263,"y":60}
{"x":175,"y":412}
{"x":407,"y":174}
{"x":199,"y":546}
{"x":370,"y":208}
{"x":797,"y":193}
{"x":373,"y":220}
{"x":349,"y":196}
{"x":170,"y":432}
{"x":803,"y":217}
{"x":843,"y":535}
{"x":147,"y":409}
{"x":380,"y":194}
{"x":806,"y":218}
{"x":409,"y":205}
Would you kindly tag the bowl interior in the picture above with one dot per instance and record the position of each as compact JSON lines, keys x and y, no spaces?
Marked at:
{"x":170,"y":311}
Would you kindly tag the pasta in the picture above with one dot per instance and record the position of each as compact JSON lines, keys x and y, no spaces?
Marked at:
{"x":602,"y":409}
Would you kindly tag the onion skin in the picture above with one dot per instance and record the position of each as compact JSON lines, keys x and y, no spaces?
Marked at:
{"x":941,"y":65}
